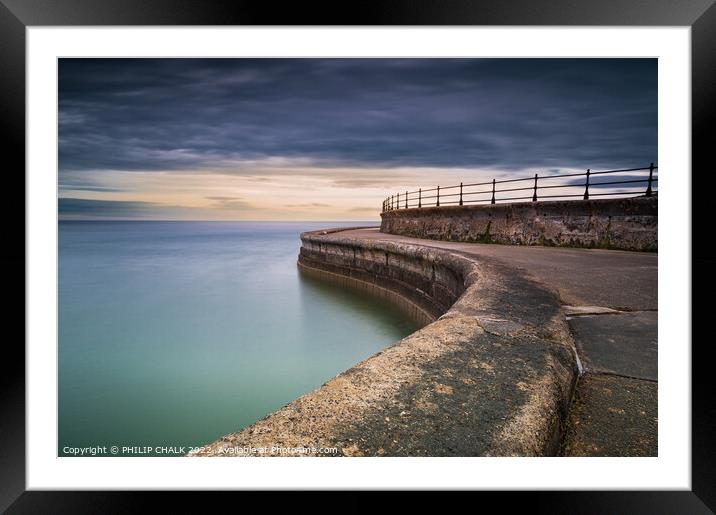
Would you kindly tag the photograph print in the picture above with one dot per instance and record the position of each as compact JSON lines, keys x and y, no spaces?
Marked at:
{"x":339,"y":257}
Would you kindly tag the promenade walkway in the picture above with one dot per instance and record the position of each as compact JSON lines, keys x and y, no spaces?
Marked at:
{"x":610,"y":302}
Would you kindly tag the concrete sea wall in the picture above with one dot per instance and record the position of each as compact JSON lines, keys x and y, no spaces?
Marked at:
{"x":491,"y":374}
{"x":624,"y":224}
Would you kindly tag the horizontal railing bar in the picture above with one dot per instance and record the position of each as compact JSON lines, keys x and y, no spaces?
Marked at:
{"x":449,"y":194}
{"x":418,"y":198}
{"x":502,"y":181}
{"x":593,"y":173}
{"x":542,"y":177}
{"x":624,"y":170}
{"x":423,"y":190}
{"x":614,"y":193}
{"x":654,"y":179}
{"x":646,"y":179}
{"x":488,"y":192}
{"x":505,"y":199}
{"x":637,"y":193}
{"x":530,"y":188}
{"x":551,"y":186}
{"x":580,"y":174}
{"x":481,"y":192}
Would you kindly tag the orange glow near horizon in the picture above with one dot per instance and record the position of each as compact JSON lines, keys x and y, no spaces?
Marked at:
{"x":268,"y":193}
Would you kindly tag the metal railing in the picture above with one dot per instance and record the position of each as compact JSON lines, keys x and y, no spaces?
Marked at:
{"x":462,"y":194}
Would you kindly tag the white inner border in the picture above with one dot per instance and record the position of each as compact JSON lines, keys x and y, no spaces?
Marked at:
{"x":671,"y":470}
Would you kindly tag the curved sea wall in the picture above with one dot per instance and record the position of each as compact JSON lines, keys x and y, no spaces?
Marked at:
{"x":623,"y":223}
{"x":491,"y":374}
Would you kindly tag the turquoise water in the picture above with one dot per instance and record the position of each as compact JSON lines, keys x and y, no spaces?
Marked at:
{"x":175,"y":333}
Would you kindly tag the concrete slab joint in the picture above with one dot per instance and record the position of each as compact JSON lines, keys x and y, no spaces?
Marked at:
{"x":491,"y":373}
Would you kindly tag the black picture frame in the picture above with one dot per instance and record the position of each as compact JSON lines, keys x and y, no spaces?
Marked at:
{"x":17,"y":15}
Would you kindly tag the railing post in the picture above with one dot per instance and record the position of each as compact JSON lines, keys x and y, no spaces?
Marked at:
{"x":493,"y":192}
{"x":461,"y":194}
{"x":438,"y":202}
{"x":398,"y":201}
{"x":391,"y":202}
{"x":420,"y":197}
{"x":406,"y":200}
{"x":651,"y":178}
{"x":586,"y":187}
{"x":534,"y":196}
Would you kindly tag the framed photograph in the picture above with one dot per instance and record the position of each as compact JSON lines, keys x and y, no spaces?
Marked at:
{"x":424,"y":242}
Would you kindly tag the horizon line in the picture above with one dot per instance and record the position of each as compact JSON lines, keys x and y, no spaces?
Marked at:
{"x":199,"y":220}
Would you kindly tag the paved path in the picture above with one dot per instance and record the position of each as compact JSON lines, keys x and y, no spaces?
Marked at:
{"x":584,"y":277}
{"x":610,"y":299}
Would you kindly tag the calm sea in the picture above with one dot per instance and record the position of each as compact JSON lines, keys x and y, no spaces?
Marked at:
{"x":175,"y":333}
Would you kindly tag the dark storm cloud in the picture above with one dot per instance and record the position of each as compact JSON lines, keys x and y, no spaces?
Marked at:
{"x":188,"y":114}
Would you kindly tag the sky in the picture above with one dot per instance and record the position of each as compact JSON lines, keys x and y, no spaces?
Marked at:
{"x":329,"y":139}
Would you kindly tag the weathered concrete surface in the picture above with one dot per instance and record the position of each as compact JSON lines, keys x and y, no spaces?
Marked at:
{"x":421,"y":314}
{"x":614,"y":412}
{"x":600,"y":282}
{"x":623,"y":344}
{"x":583,"y":277}
{"x":613,"y":416}
{"x":625,"y":224}
{"x":492,"y":376}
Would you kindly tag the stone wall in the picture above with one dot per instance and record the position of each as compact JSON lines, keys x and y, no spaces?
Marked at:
{"x":491,"y":374}
{"x":623,"y":224}
{"x":416,"y":281}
